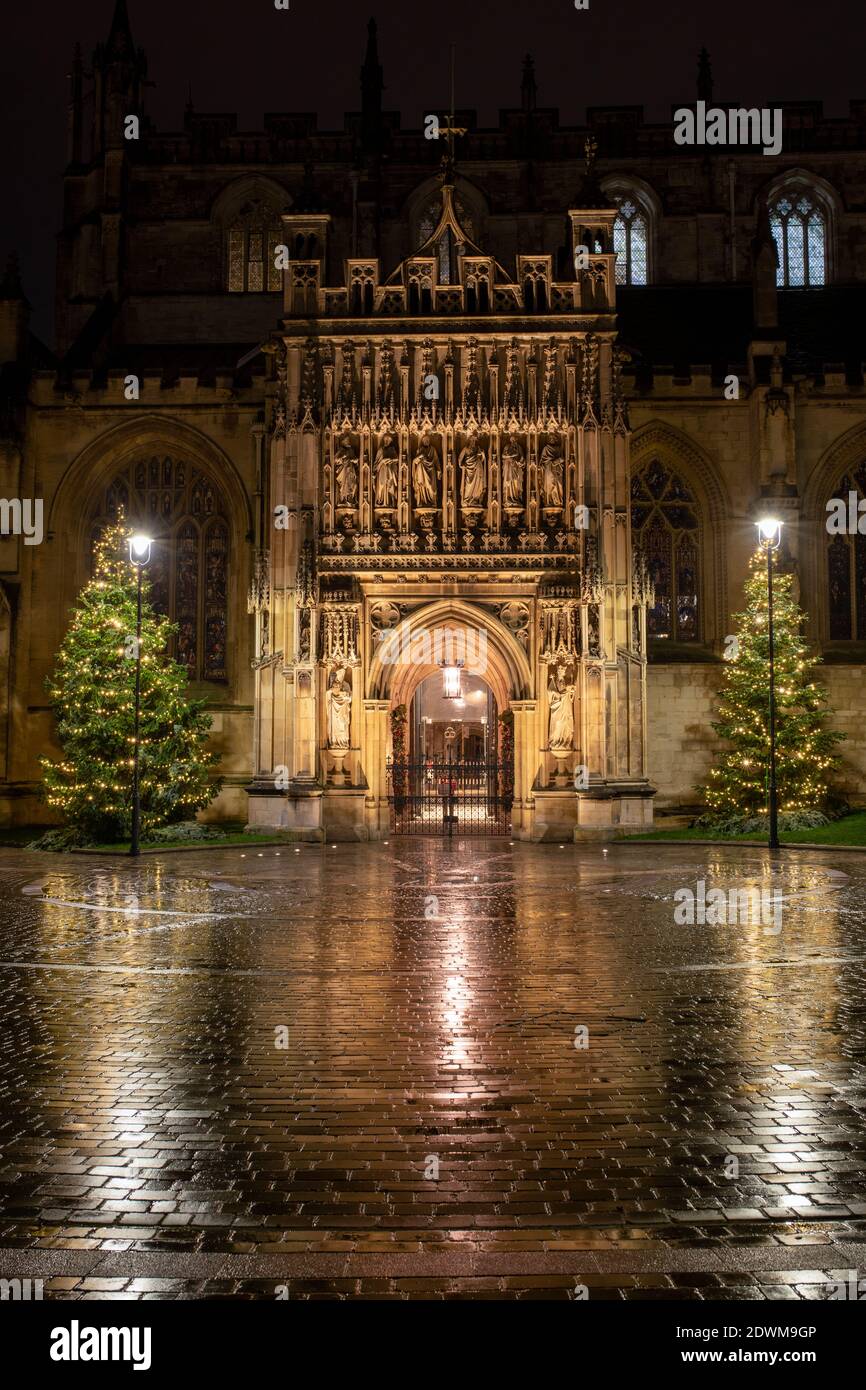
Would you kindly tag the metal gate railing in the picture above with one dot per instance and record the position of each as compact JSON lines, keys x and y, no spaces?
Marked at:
{"x":441,"y":797}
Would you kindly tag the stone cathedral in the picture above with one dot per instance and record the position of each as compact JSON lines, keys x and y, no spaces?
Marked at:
{"x":497,"y":409}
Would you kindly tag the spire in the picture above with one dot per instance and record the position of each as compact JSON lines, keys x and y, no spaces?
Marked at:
{"x":705,"y":77}
{"x":528,"y":87}
{"x":119,"y":70}
{"x":372,"y":85}
{"x":120,"y":44}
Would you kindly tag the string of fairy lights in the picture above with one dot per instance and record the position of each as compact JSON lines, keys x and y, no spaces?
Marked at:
{"x":92,"y":693}
{"x":805,"y":749}
{"x":92,"y":690}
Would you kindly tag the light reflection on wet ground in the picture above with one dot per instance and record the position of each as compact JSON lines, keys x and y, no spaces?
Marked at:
{"x":431,"y":995}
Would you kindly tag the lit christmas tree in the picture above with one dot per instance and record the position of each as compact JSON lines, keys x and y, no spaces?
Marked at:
{"x":805,"y":760}
{"x":92,"y":692}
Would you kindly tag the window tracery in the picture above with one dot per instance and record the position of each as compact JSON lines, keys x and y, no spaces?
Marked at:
{"x":185,"y":512}
{"x":666,"y":524}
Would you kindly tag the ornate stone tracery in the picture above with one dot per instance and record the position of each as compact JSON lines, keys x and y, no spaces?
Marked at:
{"x":489,"y":458}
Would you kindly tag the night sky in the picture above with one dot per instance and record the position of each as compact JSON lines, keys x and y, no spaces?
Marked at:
{"x":245,"y":56}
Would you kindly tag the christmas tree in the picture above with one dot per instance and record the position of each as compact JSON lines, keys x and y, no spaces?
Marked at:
{"x":92,"y":693}
{"x":739,"y":783}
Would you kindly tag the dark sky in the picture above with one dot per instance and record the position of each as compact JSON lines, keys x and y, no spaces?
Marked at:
{"x":245,"y":56}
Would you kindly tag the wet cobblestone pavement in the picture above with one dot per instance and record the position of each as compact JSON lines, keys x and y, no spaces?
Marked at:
{"x":235,"y":1073}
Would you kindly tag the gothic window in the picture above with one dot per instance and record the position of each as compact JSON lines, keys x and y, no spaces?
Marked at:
{"x":448,"y":248}
{"x":251,"y":250}
{"x":799,"y":227}
{"x":665,"y":523}
{"x":630,"y":241}
{"x":186,"y":514}
{"x":846,"y":571}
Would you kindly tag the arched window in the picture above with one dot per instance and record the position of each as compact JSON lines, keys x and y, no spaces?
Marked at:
{"x":798,"y":222}
{"x":448,"y":247}
{"x":186,"y":514}
{"x":634,"y":229}
{"x":251,"y":242}
{"x":846,"y":570}
{"x":665,"y":523}
{"x":631,"y":241}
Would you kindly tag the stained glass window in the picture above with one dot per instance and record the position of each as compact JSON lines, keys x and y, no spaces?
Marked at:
{"x":255,"y":232}
{"x":799,"y":228}
{"x":839,"y":588}
{"x":665,"y":523}
{"x":237,"y":238}
{"x":630,"y":237}
{"x":846,"y":570}
{"x":186,"y":514}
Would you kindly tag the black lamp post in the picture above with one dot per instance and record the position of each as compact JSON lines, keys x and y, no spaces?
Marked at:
{"x":139,"y":555}
{"x":770,"y":539}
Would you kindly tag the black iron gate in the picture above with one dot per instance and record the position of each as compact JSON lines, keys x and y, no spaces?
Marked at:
{"x":440,"y":797}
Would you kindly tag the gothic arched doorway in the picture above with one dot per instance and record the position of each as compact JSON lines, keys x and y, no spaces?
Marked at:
{"x":451,"y":770}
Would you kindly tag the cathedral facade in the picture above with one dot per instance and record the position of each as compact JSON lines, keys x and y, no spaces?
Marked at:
{"x":505,"y":403}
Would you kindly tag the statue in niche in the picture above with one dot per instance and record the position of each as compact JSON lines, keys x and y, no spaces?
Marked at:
{"x":513,"y":472}
{"x":385,"y":471}
{"x":425,"y":471}
{"x":551,"y":464}
{"x":473,"y":472}
{"x":560,"y":698}
{"x":346,"y":473}
{"x":338,"y":704}
{"x":304,"y":634}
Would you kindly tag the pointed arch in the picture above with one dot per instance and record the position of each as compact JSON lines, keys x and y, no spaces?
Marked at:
{"x":132,"y":438}
{"x":676,"y":450}
{"x":505,"y":665}
{"x":189,"y":494}
{"x":804,"y":211}
{"x":636,"y":228}
{"x":470,"y":204}
{"x":248,"y":212}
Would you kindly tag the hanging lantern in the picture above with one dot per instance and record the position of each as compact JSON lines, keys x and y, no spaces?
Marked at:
{"x":452,"y":687}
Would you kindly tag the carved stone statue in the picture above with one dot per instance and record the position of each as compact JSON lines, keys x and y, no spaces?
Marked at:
{"x":385,"y":472}
{"x":551,"y":464}
{"x":338,"y":703}
{"x":473,"y":472}
{"x":346,"y":473}
{"x":560,"y":697}
{"x":425,"y":469}
{"x":513,"y":472}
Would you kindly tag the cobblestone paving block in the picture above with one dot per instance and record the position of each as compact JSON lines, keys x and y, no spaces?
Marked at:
{"x":429,"y":1100}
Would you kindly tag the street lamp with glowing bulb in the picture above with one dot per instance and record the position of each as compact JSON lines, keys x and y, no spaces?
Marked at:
{"x":139,"y":556}
{"x":770,"y":539}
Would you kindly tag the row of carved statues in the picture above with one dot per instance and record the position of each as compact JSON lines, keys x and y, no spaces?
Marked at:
{"x":560,"y":700}
{"x":472,"y":471}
